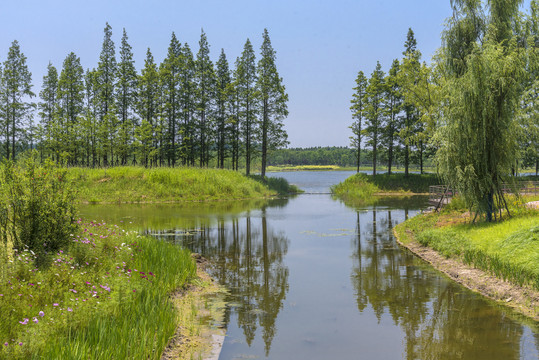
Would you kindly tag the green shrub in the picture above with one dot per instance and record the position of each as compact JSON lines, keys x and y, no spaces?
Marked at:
{"x":36,"y":206}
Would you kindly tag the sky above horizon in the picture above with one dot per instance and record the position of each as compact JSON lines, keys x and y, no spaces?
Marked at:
{"x":320,"y":45}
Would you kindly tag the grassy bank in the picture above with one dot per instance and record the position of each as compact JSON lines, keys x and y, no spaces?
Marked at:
{"x":107,"y":297}
{"x":361,"y":187}
{"x":137,"y":184}
{"x":508,"y":249}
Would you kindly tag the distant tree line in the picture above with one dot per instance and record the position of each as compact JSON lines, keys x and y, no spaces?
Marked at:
{"x":341,"y":156}
{"x":186,"y":110}
{"x":332,"y":155}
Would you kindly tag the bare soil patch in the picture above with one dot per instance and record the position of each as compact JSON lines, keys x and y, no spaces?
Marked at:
{"x":533,"y":205}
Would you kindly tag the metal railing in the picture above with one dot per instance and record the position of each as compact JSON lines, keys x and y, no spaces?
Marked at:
{"x":522,"y":187}
{"x":440,"y":195}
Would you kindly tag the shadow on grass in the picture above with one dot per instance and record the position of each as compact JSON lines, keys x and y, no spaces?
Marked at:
{"x":277,"y":184}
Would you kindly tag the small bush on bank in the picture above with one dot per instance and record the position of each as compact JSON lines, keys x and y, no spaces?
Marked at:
{"x":416,"y":183}
{"x":36,"y":207}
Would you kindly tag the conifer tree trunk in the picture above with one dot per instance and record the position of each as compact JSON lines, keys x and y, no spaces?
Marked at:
{"x":264,"y":137}
{"x":358,"y":156}
{"x":248,"y":142}
{"x":374,"y":148}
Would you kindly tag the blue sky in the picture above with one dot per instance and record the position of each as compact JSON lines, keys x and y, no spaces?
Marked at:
{"x":321,"y":45}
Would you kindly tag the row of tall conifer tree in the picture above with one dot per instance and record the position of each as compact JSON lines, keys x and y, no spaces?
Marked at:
{"x":185,"y":111}
{"x":383,"y":120}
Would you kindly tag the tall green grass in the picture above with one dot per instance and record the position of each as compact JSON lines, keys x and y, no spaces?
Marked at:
{"x":359,"y":188}
{"x":362,"y":186}
{"x":108,"y":297}
{"x":356,"y":188}
{"x":136,"y":184}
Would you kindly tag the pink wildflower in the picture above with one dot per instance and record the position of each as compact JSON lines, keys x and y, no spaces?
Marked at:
{"x":41,"y":313}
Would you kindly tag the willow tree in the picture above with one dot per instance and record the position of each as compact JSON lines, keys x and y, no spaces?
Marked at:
{"x":482,"y":64}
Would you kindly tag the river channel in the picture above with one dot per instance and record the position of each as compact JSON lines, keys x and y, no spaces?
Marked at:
{"x":312,"y":278}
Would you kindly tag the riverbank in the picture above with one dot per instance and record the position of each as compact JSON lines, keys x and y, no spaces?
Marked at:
{"x":109,"y":295}
{"x":160,"y":185}
{"x":106,"y":296}
{"x":361,"y":188}
{"x":500,"y":260}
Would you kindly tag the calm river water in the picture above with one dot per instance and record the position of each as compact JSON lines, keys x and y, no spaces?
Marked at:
{"x":311,"y":278}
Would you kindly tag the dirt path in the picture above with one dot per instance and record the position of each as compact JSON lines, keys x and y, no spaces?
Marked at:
{"x":523,"y":299}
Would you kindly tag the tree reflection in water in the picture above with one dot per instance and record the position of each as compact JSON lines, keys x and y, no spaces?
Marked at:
{"x":441,"y":320}
{"x":248,"y":257}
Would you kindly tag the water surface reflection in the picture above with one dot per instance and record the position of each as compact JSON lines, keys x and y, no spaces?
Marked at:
{"x":311,"y":278}
{"x":440,"y":319}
